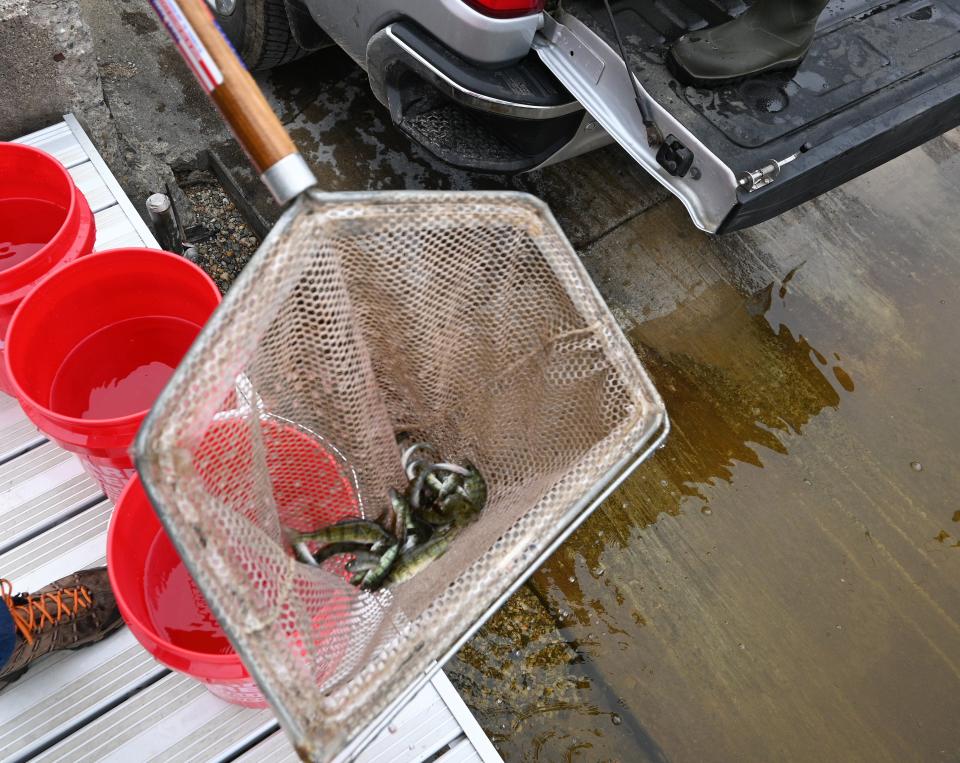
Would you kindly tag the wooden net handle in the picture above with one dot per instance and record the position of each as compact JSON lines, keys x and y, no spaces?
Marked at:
{"x":225,"y":79}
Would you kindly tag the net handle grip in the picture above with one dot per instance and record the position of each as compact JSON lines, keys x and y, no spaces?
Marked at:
{"x":218,"y":69}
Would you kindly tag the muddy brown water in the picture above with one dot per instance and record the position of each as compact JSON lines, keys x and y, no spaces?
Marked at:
{"x":782,"y":580}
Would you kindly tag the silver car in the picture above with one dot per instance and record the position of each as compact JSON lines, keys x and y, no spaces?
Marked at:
{"x":513,"y":85}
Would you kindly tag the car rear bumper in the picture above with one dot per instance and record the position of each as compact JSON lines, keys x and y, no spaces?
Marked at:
{"x":478,"y":38}
{"x":506,"y":119}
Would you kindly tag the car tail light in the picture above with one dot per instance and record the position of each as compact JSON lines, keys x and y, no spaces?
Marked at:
{"x":506,"y":8}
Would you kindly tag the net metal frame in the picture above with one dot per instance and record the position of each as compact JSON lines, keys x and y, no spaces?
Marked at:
{"x":462,"y":319}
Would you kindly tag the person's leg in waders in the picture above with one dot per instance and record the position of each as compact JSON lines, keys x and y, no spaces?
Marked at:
{"x":75,"y":611}
{"x":770,"y":35}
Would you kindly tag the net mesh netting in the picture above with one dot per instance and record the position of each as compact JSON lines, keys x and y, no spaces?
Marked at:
{"x":464,"y":320}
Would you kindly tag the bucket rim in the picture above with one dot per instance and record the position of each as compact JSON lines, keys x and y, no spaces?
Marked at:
{"x":76,"y":199}
{"x":71,"y":423}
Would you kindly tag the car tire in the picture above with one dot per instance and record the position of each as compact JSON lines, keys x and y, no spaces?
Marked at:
{"x":260,"y":32}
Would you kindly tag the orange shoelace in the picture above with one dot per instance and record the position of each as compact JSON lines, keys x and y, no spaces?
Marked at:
{"x":32,"y":615}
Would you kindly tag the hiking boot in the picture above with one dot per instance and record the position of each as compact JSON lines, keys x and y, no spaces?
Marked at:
{"x":75,"y":611}
{"x":770,"y":35}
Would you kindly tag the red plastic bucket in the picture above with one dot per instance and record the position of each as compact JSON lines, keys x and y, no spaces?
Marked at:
{"x":163,"y":607}
{"x":312,"y":486}
{"x":93,"y":344}
{"x":161,"y":603}
{"x":44,"y":222}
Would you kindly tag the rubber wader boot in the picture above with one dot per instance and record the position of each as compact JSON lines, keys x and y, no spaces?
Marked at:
{"x":769,"y":35}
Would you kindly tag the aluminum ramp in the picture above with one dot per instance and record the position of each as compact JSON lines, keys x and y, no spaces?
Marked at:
{"x":112,"y":701}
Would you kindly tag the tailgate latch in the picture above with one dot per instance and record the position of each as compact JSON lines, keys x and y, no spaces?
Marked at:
{"x":674,"y":157}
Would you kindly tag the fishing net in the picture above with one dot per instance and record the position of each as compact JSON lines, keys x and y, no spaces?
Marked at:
{"x":366,"y":320}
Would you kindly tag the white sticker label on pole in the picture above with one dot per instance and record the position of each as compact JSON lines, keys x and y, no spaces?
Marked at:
{"x":193,"y":50}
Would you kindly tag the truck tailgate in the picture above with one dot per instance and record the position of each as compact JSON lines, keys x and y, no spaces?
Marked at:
{"x":880,"y":78}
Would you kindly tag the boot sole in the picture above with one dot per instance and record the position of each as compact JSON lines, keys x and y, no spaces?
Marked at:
{"x":17,"y":675}
{"x":685,"y":78}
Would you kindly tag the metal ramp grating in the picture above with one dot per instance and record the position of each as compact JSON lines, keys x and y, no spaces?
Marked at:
{"x":112,"y":701}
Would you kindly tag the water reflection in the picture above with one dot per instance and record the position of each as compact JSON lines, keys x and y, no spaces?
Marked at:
{"x":735,"y":380}
{"x":742,"y":384}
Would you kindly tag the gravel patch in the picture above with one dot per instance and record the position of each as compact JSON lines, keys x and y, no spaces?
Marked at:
{"x":231,"y":242}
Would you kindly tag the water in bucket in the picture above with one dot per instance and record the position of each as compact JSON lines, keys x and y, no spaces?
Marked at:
{"x":120,"y":369}
{"x":26,"y":226}
{"x":175,"y":605}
